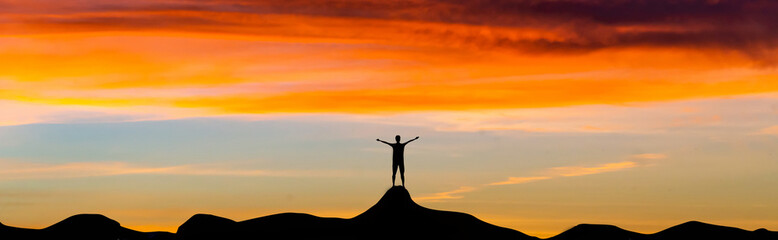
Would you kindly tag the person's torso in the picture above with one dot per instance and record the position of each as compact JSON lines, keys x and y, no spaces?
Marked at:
{"x":397,"y":149}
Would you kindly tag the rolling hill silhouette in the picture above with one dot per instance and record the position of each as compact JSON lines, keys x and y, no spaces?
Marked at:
{"x":394,"y":216}
{"x":397,"y":210}
{"x":599,"y":232}
{"x":685,"y":231}
{"x":699,"y":230}
{"x":82,"y":227}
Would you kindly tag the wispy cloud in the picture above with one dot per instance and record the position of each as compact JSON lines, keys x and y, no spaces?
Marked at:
{"x":650,"y":156}
{"x":446,"y":195}
{"x":573,"y":171}
{"x":638,"y":160}
{"x":20,"y":113}
{"x":527,"y":26}
{"x":637,"y":118}
{"x":10,"y":170}
{"x":772,"y":130}
{"x":517,"y":180}
{"x":276,"y":56}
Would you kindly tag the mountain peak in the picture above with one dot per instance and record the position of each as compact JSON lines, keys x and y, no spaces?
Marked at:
{"x":397,"y":208}
{"x":695,"y":224}
{"x":700,"y":226}
{"x":398,"y":188}
{"x":205,"y":225}
{"x":87,"y":227}
{"x":85,"y":222}
{"x":395,"y":202}
{"x":700,"y":230}
{"x":397,"y":196}
{"x":597,"y":231}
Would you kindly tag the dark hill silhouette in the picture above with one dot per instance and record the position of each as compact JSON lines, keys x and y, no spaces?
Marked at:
{"x":205,"y":226}
{"x":397,"y":210}
{"x":699,"y":230}
{"x":284,"y":225}
{"x":299,"y":226}
{"x":83,"y":227}
{"x":84,"y":222}
{"x":7,"y":232}
{"x":395,"y":216}
{"x":599,"y":232}
{"x":684,"y":231}
{"x":765,"y":234}
{"x":96,"y":227}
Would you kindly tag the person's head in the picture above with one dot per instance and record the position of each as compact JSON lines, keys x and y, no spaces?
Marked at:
{"x":397,"y":138}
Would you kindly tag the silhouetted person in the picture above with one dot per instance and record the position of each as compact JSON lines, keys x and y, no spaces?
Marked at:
{"x":398,"y":160}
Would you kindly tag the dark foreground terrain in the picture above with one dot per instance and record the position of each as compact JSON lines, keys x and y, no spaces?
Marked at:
{"x":395,"y":216}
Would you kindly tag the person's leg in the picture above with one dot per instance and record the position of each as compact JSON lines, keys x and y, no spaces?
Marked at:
{"x":394,"y":172}
{"x":402,"y":172}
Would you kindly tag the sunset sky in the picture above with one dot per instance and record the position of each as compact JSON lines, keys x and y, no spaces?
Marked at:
{"x":533,"y":115}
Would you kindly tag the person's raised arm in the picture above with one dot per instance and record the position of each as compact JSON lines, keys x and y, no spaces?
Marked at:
{"x":417,"y":137}
{"x":382,"y":141}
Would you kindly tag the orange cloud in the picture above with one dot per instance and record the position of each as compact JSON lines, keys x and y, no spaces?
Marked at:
{"x":571,"y":171}
{"x":558,"y":23}
{"x":650,"y":156}
{"x":275,"y":58}
{"x":556,"y":172}
{"x":486,"y":95}
{"x":446,"y":195}
{"x":581,"y":171}
{"x":772,"y":130}
{"x":518,"y":180}
{"x":17,"y":170}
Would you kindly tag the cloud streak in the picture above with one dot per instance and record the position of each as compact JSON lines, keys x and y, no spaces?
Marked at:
{"x":552,"y":173}
{"x":574,"y":171}
{"x":650,"y":156}
{"x":556,"y":26}
{"x":772,"y":130}
{"x":441,"y":196}
{"x":19,"y":170}
{"x":518,"y":180}
{"x":373,"y":57}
